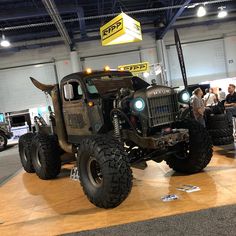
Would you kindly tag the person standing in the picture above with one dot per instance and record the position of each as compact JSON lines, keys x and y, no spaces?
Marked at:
{"x":210,"y":98}
{"x":230,"y":101}
{"x":198,"y":106}
{"x":222,"y":95}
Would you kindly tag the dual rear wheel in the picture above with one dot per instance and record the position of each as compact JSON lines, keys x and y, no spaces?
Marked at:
{"x":40,"y":153}
{"x":104,"y":169}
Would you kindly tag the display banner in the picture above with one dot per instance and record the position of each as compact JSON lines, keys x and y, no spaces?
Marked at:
{"x":121,"y":29}
{"x":181,"y":58}
{"x":135,"y":68}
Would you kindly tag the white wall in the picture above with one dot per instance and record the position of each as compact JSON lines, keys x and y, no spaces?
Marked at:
{"x":197,"y":33}
{"x":146,"y":49}
{"x":209,"y":52}
{"x":16,"y":90}
{"x":230,"y":51}
{"x":94,"y":48}
{"x":203,"y":60}
{"x":33,"y":56}
{"x":116,"y":55}
{"x":63,"y":68}
{"x":113,"y":60}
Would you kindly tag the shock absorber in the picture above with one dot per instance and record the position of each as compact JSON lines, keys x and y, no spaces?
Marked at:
{"x":116,"y":125}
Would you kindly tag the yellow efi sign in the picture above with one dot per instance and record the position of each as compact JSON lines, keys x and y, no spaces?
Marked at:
{"x":135,"y":68}
{"x":121,"y":29}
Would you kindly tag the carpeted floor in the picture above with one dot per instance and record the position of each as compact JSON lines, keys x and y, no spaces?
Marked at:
{"x":9,"y":163}
{"x":218,"y":221}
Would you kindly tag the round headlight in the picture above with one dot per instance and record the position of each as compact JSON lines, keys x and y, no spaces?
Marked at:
{"x":139,"y":104}
{"x":184,"y":96}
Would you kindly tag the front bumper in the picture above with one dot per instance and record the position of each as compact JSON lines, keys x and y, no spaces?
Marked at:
{"x":157,"y":141}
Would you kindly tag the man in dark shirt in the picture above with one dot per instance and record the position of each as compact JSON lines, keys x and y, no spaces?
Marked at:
{"x":230,"y":100}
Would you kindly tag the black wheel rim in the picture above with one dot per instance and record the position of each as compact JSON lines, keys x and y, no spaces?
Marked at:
{"x":2,"y":141}
{"x":183,"y":152}
{"x":38,"y":158}
{"x":135,"y":154}
{"x":94,"y":172}
{"x":24,"y":155}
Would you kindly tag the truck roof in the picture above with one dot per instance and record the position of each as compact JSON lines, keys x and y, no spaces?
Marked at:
{"x":97,"y":73}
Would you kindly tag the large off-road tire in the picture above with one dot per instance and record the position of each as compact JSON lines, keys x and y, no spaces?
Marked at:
{"x":45,"y":156}
{"x":219,"y":133}
{"x":223,"y":140}
{"x":195,"y":155}
{"x":219,"y":121}
{"x":105,"y":173}
{"x":3,"y":141}
{"x":24,"y":146}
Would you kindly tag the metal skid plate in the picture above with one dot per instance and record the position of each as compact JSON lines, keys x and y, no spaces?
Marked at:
{"x":158,"y":141}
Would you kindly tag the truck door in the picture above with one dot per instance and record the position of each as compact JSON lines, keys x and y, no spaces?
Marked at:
{"x":75,"y":111}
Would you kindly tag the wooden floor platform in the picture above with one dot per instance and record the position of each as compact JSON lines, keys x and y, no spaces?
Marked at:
{"x":30,"y":206}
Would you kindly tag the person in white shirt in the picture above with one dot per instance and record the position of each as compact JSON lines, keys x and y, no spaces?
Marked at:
{"x":222,"y":95}
{"x":198,"y":106}
{"x":209,"y":98}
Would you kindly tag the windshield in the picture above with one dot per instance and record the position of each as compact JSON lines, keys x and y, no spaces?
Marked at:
{"x":98,"y":86}
{"x":91,"y":89}
{"x":93,"y":92}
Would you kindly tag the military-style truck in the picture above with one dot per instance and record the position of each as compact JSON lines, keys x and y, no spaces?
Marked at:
{"x":111,"y":121}
{"x":5,"y":134}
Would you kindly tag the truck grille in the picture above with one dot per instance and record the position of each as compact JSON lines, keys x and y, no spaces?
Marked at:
{"x":162,"y":110}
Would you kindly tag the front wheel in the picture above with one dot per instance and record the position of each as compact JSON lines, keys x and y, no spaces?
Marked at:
{"x":3,"y":141}
{"x":105,"y":173}
{"x":185,"y":113}
{"x":194,"y":156}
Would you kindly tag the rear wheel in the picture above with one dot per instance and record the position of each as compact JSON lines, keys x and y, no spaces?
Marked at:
{"x":25,"y":152}
{"x":45,"y":156}
{"x":195,"y":155}
{"x":223,"y":140}
{"x":105,"y":172}
{"x":3,"y":141}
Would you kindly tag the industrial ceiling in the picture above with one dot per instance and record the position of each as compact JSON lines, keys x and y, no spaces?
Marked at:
{"x":36,"y":23}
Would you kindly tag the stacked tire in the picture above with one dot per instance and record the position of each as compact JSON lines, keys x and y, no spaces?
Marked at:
{"x":220,"y":128}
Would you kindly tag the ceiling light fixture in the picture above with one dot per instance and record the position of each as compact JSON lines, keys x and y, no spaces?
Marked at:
{"x":146,"y":74}
{"x":222,"y":12}
{"x":201,"y":11}
{"x":4,"y":42}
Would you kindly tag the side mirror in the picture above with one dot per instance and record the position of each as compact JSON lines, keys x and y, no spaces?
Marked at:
{"x":68,"y":92}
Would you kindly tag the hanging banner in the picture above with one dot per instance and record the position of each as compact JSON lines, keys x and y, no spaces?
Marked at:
{"x":135,"y":68}
{"x":181,"y":58}
{"x":121,"y":29}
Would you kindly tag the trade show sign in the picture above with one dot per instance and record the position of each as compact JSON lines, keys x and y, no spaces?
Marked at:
{"x":74,"y":174}
{"x":169,"y":198}
{"x":135,"y":68}
{"x":121,"y":29}
{"x":188,"y":188}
